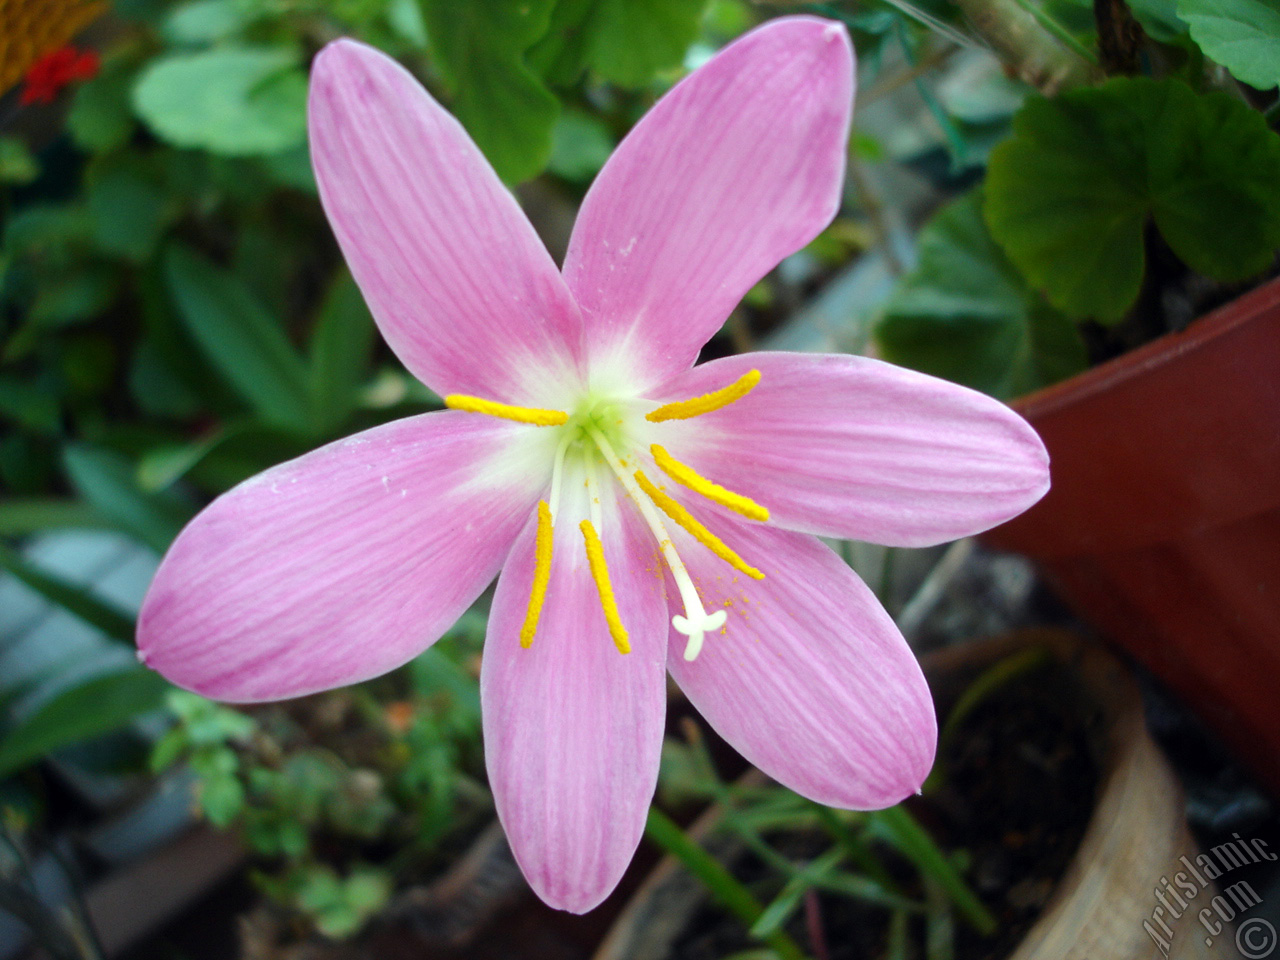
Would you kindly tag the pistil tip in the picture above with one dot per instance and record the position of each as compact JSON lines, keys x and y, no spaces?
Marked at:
{"x":698,"y":632}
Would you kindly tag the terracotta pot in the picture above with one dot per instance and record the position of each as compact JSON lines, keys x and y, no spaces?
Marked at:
{"x":1134,"y":837}
{"x":1163,"y":524}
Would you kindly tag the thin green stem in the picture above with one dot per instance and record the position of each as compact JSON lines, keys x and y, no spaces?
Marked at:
{"x":1060,"y":33}
{"x":914,"y":842}
{"x":857,"y":849}
{"x":730,"y":892}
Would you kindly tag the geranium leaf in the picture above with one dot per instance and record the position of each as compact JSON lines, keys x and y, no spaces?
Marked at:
{"x":235,"y":101}
{"x":1069,"y":196}
{"x":1242,"y":35}
{"x":966,"y":314}
{"x":479,"y":49}
{"x":634,"y":39}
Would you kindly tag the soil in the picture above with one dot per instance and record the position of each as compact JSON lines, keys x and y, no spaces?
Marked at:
{"x":1020,"y":777}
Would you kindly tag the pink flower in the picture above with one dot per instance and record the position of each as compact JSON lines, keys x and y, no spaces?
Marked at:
{"x":646,"y":515}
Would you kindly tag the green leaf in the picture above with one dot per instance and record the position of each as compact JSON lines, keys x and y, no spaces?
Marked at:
{"x":206,"y":21}
{"x":625,"y":41}
{"x":1242,"y":35}
{"x":33,"y":405}
{"x":367,"y":890}
{"x":158,"y":391}
{"x":235,"y":101}
{"x":17,"y":165}
{"x":242,"y":340}
{"x":108,"y":481}
{"x":101,"y":118}
{"x":1159,"y":18}
{"x":898,"y":827}
{"x":221,"y":798}
{"x":100,"y":705}
{"x":1069,"y":195}
{"x":479,"y":48}
{"x":129,"y":209}
{"x":19,"y":518}
{"x":106,"y":617}
{"x":292,"y":168}
{"x":74,"y":295}
{"x":43,"y":227}
{"x":965,"y":313}
{"x":161,"y":467}
{"x":581,"y":144}
{"x":634,"y":39}
{"x":340,"y":351}
{"x":561,"y":55}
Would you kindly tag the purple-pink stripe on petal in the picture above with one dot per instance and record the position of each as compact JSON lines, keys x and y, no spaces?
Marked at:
{"x":738,"y":166}
{"x":809,"y":680}
{"x":573,"y":728}
{"x":852,"y":447}
{"x":337,"y":566}
{"x":462,"y":288}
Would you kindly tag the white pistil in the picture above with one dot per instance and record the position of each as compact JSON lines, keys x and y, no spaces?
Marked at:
{"x":557,"y":476}
{"x":696,"y":621}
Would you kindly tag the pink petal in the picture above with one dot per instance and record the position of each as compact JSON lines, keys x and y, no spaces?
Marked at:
{"x":339,"y":565}
{"x":459,"y":283}
{"x":738,"y":166}
{"x":573,"y":728}
{"x":856,"y":448}
{"x":810,"y":680}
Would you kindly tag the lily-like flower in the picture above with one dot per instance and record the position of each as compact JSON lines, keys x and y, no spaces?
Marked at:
{"x":646,"y":514}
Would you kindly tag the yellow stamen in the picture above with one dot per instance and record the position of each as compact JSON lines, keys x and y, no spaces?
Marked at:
{"x":600,"y":574}
{"x":541,"y":575}
{"x":539,"y":418}
{"x":687,"y":476}
{"x":700,"y":533}
{"x":696,"y":621}
{"x":697,"y":406}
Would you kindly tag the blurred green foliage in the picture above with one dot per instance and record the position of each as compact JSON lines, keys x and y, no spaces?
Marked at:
{"x":175,"y":317}
{"x":348,"y":794}
{"x":1092,"y":183}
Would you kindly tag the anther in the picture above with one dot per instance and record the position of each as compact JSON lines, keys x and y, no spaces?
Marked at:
{"x":697,"y":406}
{"x":600,"y":574}
{"x":680,"y":515}
{"x":686,"y":476}
{"x":541,"y":575}
{"x":696,"y":621}
{"x":531,"y":415}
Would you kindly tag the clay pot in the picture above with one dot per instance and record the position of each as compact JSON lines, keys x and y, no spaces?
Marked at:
{"x":1163,"y":524}
{"x":1135,"y":836}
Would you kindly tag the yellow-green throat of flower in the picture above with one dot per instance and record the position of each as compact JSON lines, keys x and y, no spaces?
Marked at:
{"x":596,"y":429}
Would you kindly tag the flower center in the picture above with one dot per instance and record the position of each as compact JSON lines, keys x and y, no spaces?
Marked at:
{"x":595,"y":431}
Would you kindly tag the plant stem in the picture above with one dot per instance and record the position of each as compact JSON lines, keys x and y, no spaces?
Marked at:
{"x":1059,"y":32}
{"x":730,"y":892}
{"x":916,"y":845}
